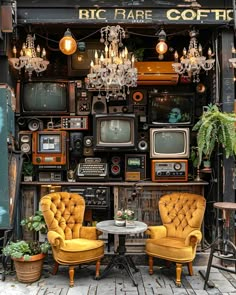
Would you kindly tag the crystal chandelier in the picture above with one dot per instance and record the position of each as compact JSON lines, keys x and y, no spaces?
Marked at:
{"x":192,"y":60}
{"x":30,"y":59}
{"x":114,"y":71}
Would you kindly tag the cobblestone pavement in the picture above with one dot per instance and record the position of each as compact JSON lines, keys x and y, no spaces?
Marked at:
{"x":162,"y":282}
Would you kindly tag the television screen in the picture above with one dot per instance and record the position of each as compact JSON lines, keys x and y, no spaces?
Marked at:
{"x":46,"y":97}
{"x":169,"y":143}
{"x":114,"y":131}
{"x":49,"y":143}
{"x":171,"y":109}
{"x":134,"y":162}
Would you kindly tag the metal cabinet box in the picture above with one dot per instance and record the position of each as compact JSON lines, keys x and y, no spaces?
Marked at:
{"x":8,"y":165}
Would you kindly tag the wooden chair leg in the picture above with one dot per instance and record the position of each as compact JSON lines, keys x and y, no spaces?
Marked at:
{"x":71,"y":275}
{"x":98,"y":263}
{"x":178,"y":274}
{"x":150,"y":262}
{"x":55,"y":268}
{"x":190,"y":268}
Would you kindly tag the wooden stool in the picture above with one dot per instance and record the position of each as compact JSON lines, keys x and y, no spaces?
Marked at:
{"x":222,"y":248}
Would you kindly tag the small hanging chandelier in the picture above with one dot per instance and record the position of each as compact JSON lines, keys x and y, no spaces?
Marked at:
{"x":114,"y":70}
{"x":30,"y":59}
{"x":192,"y":61}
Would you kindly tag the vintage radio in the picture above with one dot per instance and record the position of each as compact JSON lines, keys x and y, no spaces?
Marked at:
{"x":96,"y":197}
{"x":48,"y":176}
{"x":74,"y":123}
{"x":49,"y":147}
{"x":169,"y":170}
{"x":135,"y":167}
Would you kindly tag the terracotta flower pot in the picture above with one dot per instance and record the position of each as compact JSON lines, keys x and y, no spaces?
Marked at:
{"x":29,"y":271}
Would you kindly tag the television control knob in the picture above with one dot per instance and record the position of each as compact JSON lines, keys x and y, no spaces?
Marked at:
{"x":124,"y":109}
{"x":38,"y":160}
{"x":167,"y":173}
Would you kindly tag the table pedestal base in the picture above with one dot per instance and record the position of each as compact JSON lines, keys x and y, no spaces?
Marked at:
{"x":121,"y":261}
{"x":224,"y":250}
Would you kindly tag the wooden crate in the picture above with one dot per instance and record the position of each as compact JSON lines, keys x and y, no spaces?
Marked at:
{"x":28,"y":205}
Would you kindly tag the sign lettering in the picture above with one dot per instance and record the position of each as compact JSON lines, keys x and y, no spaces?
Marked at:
{"x":151,"y":15}
{"x":200,"y":14}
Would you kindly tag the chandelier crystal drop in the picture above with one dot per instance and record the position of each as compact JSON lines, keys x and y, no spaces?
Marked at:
{"x":30,"y":58}
{"x":114,"y":70}
{"x":192,"y":61}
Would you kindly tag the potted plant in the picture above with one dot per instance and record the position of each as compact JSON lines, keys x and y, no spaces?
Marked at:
{"x":215,"y":127}
{"x":28,"y":170}
{"x":28,"y":256}
{"x":36,"y":223}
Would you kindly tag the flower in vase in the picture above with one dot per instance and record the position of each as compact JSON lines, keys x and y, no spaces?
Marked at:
{"x":126,"y":214}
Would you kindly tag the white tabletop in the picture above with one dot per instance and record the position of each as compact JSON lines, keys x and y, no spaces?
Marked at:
{"x":108,"y":226}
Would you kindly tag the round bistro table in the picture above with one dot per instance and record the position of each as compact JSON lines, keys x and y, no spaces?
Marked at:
{"x":222,"y":248}
{"x":120,"y":259}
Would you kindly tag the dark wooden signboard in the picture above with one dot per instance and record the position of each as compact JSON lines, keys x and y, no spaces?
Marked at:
{"x":127,"y":3}
{"x":125,"y":12}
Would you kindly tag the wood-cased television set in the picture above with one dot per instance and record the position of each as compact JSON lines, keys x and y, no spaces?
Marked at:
{"x":49,"y":147}
{"x":45,"y":97}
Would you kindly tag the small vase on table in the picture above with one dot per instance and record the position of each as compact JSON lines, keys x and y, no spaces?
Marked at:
{"x":119,"y":222}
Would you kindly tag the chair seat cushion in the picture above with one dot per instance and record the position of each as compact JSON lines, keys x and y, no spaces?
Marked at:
{"x":169,"y":248}
{"x":78,"y":251}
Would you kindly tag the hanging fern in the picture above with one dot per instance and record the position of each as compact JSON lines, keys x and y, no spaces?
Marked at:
{"x":215,"y":127}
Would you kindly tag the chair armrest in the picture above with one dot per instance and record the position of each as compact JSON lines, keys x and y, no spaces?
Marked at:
{"x":156,"y":232}
{"x":55,"y":239}
{"x":193,"y":238}
{"x":89,"y":232}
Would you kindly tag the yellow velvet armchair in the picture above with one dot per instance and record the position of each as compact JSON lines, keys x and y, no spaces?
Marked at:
{"x":72,"y":243}
{"x":176,"y":240}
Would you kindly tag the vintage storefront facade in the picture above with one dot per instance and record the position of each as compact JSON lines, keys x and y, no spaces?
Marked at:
{"x":143,"y":21}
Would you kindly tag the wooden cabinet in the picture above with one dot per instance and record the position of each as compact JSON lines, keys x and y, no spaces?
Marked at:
{"x":143,"y":200}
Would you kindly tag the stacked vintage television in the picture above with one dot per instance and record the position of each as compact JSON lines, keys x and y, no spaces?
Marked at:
{"x":65,"y":127}
{"x":171,"y":115}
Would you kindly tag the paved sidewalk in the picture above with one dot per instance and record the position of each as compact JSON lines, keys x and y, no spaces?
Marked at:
{"x":162,"y":282}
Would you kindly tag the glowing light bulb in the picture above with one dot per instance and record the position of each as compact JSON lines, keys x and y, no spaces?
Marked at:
{"x":68,"y":44}
{"x":161,"y":47}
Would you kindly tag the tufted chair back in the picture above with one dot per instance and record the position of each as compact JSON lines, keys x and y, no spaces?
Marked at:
{"x":181,"y":213}
{"x":177,"y":238}
{"x":64,"y":213}
{"x":72,"y":242}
